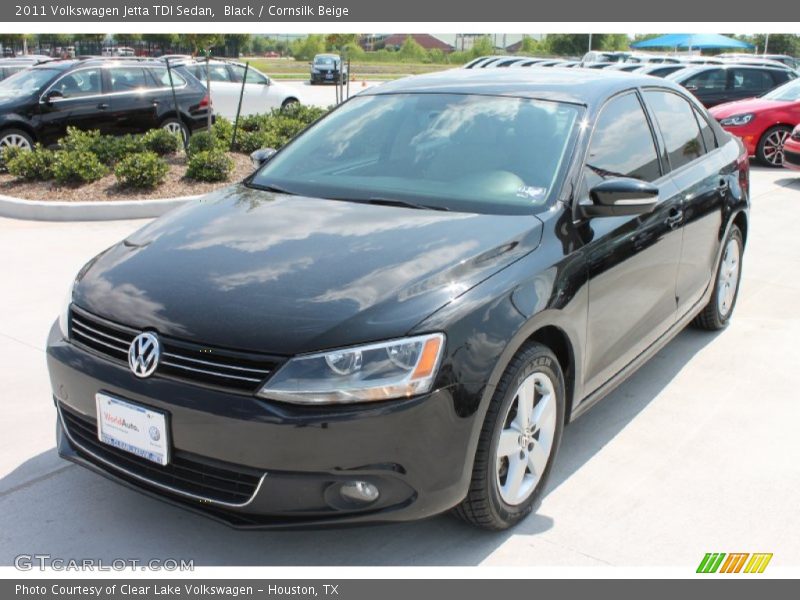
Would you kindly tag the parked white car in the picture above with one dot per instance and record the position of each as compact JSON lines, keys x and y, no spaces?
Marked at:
{"x":261,"y":93}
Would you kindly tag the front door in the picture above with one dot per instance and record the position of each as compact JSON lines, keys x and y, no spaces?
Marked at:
{"x":633,"y":260}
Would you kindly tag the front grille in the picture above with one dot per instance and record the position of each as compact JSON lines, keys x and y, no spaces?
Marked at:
{"x":791,"y":157}
{"x":186,"y":472}
{"x":203,"y":365}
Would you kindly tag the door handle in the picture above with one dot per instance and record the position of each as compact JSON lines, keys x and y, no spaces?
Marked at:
{"x":675,"y":217}
{"x":155,"y":102}
{"x":102,"y":106}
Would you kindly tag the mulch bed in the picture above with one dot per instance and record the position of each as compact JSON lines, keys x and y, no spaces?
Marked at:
{"x":106,"y":188}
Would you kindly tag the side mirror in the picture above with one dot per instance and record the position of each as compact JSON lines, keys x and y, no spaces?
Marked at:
{"x":621,"y":197}
{"x":52,"y":95}
{"x":262,"y":156}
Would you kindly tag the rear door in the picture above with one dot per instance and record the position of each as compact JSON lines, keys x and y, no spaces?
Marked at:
{"x":748,"y":82}
{"x":702,"y":178}
{"x":632,"y":260}
{"x":131,"y":98}
{"x":224,"y":90}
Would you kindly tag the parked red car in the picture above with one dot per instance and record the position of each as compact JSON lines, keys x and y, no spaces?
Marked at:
{"x":791,"y":150}
{"x":764,"y":123}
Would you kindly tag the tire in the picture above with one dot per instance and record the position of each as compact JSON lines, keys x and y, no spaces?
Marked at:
{"x":175,"y":126}
{"x":16,"y":137}
{"x":491,"y":502}
{"x":289,"y":102}
{"x":770,"y":147}
{"x":718,"y":311}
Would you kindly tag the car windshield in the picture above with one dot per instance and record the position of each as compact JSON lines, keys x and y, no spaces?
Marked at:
{"x":788,"y":92}
{"x":470,"y":153}
{"x":27,"y":82}
{"x":324,"y":61}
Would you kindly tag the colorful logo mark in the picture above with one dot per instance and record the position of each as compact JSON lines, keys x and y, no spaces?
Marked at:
{"x":735,"y":562}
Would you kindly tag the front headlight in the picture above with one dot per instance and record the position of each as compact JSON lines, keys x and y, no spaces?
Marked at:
{"x":63,"y":315}
{"x":394,"y":369}
{"x":737,"y":120}
{"x":315,"y":70}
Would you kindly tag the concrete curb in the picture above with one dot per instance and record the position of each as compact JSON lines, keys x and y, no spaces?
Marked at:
{"x":40,"y":210}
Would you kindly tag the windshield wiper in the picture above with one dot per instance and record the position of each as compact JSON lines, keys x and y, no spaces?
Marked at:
{"x":404,"y":204}
{"x":270,"y":187}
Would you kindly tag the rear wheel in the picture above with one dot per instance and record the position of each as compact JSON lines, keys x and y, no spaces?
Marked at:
{"x":518,"y":442}
{"x":15,"y":138}
{"x":289,"y":102}
{"x":176,"y":127}
{"x":770,"y":147}
{"x":719,"y":309}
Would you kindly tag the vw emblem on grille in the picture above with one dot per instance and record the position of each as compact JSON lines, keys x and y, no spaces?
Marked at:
{"x":155,"y":434}
{"x":143,"y":354}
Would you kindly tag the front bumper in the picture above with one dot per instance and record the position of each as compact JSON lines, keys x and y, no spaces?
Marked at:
{"x":749,"y":135}
{"x":791,"y":154}
{"x":415,"y":451}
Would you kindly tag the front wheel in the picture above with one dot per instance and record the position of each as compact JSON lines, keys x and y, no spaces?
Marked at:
{"x":719,"y":309}
{"x":518,"y":441}
{"x":289,"y":102}
{"x":770,"y":147}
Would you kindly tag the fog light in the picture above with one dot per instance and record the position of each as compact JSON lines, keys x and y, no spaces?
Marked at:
{"x":359,"y":492}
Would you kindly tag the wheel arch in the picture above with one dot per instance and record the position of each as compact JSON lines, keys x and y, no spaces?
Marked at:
{"x":22,"y":126}
{"x":557,"y":340}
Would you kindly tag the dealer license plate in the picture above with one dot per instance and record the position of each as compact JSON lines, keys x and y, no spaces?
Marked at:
{"x":132,"y":428}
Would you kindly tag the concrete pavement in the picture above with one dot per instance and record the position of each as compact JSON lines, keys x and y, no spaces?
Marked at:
{"x":697,"y":452}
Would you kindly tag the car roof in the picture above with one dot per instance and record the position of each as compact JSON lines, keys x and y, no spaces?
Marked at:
{"x":576,"y":85}
{"x":694,"y":69}
{"x":326,"y":55}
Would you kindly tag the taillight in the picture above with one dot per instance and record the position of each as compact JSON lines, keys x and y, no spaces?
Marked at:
{"x":796,"y":133}
{"x":743,"y":166}
{"x":205,"y":102}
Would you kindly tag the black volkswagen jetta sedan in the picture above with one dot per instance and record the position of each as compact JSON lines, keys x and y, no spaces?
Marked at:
{"x":113,"y":96}
{"x":398,"y":313}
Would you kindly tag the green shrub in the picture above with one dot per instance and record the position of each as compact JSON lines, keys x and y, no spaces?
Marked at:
{"x":161,"y":141}
{"x":222,"y":129}
{"x":209,"y":165}
{"x":142,"y":170}
{"x":250,"y":141}
{"x":77,"y":166}
{"x":107,"y":148}
{"x":202,"y":141}
{"x":7,"y":154}
{"x":32,"y":165}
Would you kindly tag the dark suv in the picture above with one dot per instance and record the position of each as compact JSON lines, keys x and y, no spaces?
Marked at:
{"x":114,"y":96}
{"x":328,"y":68}
{"x":715,"y":84}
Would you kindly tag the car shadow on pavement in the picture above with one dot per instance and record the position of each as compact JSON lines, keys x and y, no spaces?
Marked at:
{"x":49,"y":506}
{"x":793,"y":183}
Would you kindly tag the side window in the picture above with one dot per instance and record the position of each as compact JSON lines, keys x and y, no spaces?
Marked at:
{"x":707,"y":81}
{"x":252,"y":76}
{"x":709,"y":139}
{"x":678,"y":125}
{"x":127,"y":79}
{"x":86,"y":82}
{"x":160,"y":77}
{"x":751,"y":80}
{"x":622,"y":144}
{"x":780,"y":77}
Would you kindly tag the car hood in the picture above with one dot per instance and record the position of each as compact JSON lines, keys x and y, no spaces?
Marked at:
{"x":751,"y":105}
{"x":252,"y":270}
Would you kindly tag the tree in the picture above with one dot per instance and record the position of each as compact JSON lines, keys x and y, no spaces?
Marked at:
{"x":529,"y":46}
{"x":306,"y":48}
{"x":202,"y":43}
{"x":411,"y":51}
{"x":483,"y":46}
{"x":337,"y":41}
{"x":779,"y":43}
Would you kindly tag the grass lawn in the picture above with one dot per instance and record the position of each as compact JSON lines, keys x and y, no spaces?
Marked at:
{"x":288,"y":68}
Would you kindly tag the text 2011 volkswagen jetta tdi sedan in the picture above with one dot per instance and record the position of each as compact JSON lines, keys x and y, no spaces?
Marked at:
{"x":400,"y":310}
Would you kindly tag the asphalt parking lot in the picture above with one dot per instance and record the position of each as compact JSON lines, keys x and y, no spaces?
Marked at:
{"x":696,"y":453}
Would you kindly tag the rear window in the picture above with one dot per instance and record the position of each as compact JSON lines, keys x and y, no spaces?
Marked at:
{"x":707,"y":81}
{"x":161,"y":77}
{"x":127,"y":79}
{"x":678,"y":126}
{"x":751,"y":80}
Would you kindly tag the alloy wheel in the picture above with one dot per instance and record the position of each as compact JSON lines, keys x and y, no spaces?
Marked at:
{"x":526,"y":441}
{"x":728,"y":279}
{"x":773,"y":147}
{"x":15,"y":140}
